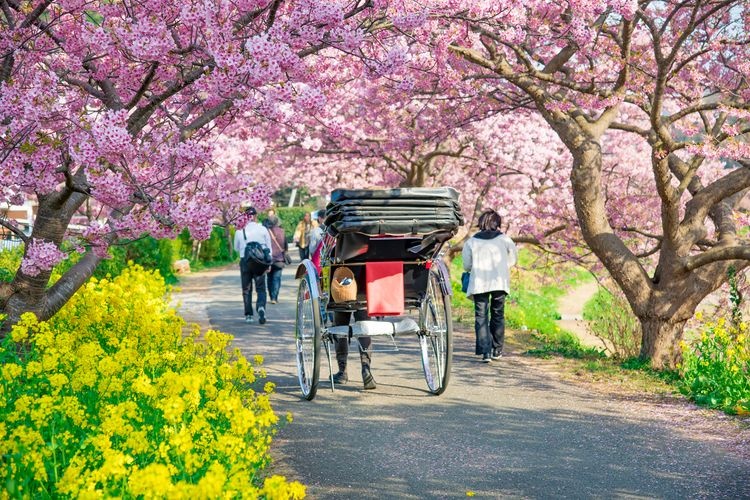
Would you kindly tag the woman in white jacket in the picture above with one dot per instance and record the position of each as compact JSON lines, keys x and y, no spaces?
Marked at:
{"x":488,"y":256}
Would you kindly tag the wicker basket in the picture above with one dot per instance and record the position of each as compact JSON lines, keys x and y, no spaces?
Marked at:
{"x":343,"y":293}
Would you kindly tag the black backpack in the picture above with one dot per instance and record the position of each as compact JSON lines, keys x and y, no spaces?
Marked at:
{"x":256,"y":256}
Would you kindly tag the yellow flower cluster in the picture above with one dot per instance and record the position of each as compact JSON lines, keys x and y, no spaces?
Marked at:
{"x":716,"y":369}
{"x":111,"y":398}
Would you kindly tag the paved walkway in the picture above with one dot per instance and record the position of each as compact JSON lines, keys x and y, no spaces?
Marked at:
{"x":505,"y":430}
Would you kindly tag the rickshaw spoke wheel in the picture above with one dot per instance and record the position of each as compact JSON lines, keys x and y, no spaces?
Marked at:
{"x":436,"y":338}
{"x":307,"y":333}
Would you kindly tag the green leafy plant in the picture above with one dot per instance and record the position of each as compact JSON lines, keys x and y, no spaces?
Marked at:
{"x":10,"y":260}
{"x":735,"y":297}
{"x":609,"y":317}
{"x":716,"y":368}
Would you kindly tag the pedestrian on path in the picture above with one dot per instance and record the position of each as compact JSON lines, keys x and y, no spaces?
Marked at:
{"x":250,"y":272}
{"x":488,"y":256}
{"x":279,"y":249}
{"x":302,"y":236}
{"x":317,"y":233}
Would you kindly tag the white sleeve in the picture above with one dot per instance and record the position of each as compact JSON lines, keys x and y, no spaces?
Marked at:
{"x":267,"y":238}
{"x":238,"y":241}
{"x":466,"y":254}
{"x":512,"y":252}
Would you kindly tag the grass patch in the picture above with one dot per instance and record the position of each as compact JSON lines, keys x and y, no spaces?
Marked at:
{"x":199,"y":265}
{"x":632,"y":375}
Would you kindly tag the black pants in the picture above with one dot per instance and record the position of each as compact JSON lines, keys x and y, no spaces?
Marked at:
{"x":248,"y":279}
{"x":489,"y":321}
{"x":304,"y":253}
{"x":342,"y":342}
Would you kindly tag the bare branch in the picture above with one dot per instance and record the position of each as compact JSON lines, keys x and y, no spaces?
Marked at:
{"x":717,"y":254}
{"x":140,"y":117}
{"x":13,"y":229}
{"x":144,"y":86}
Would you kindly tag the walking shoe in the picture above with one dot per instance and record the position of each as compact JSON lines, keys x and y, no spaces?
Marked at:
{"x":367,"y":379}
{"x":273,"y":301}
{"x":248,"y":318}
{"x":497,"y":354}
{"x":340,"y":378}
{"x":486,"y":358}
{"x":262,"y":315}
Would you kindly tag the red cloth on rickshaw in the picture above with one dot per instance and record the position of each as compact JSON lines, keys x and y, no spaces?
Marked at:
{"x":385,"y":288}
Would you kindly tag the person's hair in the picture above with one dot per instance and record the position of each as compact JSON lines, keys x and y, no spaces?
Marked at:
{"x":272,"y":221}
{"x":490,"y":221}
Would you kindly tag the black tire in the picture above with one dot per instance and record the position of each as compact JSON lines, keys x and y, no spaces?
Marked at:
{"x":436,"y":337}
{"x":307,"y":333}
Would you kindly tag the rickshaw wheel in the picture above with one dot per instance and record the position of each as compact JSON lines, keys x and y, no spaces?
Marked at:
{"x":307,"y":339}
{"x":436,"y":338}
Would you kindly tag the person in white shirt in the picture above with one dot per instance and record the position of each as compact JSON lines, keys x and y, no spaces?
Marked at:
{"x":250,"y":274}
{"x":488,"y":256}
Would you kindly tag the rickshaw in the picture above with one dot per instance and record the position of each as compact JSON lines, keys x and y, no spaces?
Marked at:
{"x":381,"y":254}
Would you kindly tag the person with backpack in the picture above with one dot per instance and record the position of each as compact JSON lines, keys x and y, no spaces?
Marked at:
{"x":253,"y":243}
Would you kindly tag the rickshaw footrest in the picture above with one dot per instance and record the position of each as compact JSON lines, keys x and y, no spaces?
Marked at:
{"x":368,"y":328}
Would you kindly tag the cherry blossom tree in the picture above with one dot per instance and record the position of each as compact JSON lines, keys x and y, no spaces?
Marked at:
{"x":672,"y":73}
{"x":119,"y":103}
{"x":660,"y":81}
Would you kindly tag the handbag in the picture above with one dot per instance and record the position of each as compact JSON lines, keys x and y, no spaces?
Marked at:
{"x":465,"y":277}
{"x":287,"y":258}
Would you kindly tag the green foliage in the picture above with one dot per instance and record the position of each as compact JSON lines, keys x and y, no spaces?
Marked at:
{"x":10,"y":260}
{"x":563,"y":343}
{"x":550,"y":277}
{"x":716,"y":369}
{"x":289,"y":217}
{"x":146,"y":251}
{"x":610,"y":318}
{"x":636,"y":363}
{"x":216,"y":250}
{"x":735,"y":297}
{"x":110,"y":398}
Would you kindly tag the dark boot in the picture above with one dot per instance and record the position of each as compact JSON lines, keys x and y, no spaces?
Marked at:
{"x":341,"y":377}
{"x":364,"y":356}
{"x":368,"y":379}
{"x":342,"y":351}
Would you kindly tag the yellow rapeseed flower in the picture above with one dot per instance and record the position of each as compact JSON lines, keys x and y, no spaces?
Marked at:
{"x":10,"y":371}
{"x":108,"y":370}
{"x":277,"y":488}
{"x":212,"y":484}
{"x":152,"y":481}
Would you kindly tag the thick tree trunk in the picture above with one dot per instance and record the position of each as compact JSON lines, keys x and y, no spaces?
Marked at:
{"x":661,"y":342}
{"x":29,"y":293}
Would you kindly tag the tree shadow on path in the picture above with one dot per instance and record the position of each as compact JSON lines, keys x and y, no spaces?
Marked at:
{"x":500,"y":430}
